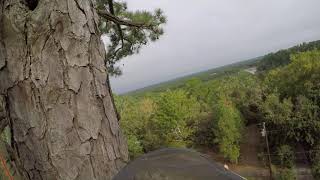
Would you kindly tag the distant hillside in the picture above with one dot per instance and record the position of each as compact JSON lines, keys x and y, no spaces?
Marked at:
{"x":203,"y":75}
{"x":282,"y":57}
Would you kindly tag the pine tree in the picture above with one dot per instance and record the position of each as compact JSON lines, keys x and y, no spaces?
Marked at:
{"x":54,"y":90}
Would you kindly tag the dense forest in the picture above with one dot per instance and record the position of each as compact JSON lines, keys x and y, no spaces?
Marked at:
{"x":284,"y":94}
{"x":282,"y":57}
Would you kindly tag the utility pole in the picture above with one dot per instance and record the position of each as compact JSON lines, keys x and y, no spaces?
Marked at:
{"x":265,"y":134}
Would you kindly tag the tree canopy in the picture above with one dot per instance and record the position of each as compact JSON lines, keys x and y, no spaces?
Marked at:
{"x":282,"y":57}
{"x":213,"y":113}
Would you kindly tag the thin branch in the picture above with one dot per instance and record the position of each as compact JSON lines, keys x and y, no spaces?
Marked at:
{"x":120,"y":48}
{"x":115,"y":19}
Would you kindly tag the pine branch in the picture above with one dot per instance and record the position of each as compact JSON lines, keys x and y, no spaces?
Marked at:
{"x":110,"y":2}
{"x":116,"y":20}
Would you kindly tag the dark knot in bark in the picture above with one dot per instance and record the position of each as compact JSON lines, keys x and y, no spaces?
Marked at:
{"x":32,"y":4}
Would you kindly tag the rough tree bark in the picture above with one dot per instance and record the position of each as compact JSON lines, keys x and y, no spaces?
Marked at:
{"x":54,"y":92}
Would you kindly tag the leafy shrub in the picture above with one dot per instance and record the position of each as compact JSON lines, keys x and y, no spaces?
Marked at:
{"x":134,"y":146}
{"x":228,"y":127}
{"x":286,"y":174}
{"x":285,"y":156}
{"x":316,"y":162}
{"x":316,"y":170}
{"x":203,"y":135}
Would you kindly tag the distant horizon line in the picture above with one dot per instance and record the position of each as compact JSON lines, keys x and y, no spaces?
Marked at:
{"x":207,"y":69}
{"x":185,"y":75}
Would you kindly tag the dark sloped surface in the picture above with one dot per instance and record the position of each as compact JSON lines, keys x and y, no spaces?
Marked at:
{"x":174,"y":164}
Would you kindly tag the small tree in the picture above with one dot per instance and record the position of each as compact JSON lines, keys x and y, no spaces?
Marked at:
{"x":228,"y":126}
{"x":277,"y":114}
{"x":285,"y":156}
{"x":170,"y":123}
{"x":135,"y":114}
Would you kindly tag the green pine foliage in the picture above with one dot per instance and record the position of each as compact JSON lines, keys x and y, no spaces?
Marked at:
{"x":129,"y":39}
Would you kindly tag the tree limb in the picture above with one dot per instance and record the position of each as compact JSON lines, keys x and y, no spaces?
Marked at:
{"x":110,"y":2}
{"x":115,"y":19}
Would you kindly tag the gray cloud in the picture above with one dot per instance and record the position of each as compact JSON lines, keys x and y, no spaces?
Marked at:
{"x":202,"y":34}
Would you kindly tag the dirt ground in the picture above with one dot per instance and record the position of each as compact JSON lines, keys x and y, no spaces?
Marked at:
{"x":250,"y":147}
{"x":250,"y":166}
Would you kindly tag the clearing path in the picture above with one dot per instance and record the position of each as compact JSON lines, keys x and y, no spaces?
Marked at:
{"x":250,"y":147}
{"x":249,"y":164}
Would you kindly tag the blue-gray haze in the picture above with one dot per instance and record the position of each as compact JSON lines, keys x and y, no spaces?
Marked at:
{"x":202,"y":34}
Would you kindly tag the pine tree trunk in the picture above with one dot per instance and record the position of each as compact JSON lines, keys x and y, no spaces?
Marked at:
{"x":54,"y":91}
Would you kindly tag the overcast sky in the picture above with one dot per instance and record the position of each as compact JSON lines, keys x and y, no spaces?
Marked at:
{"x":203,"y":34}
